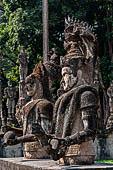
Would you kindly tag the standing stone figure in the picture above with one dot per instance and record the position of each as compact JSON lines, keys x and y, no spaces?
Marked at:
{"x":23,"y":70}
{"x":110,"y":95}
{"x":23,"y":64}
{"x":0,"y":102}
{"x":0,"y":90}
{"x":10,"y":93}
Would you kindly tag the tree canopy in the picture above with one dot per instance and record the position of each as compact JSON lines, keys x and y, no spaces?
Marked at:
{"x":21,"y":25}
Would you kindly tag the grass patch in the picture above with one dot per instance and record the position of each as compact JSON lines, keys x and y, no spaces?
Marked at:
{"x":105,"y":161}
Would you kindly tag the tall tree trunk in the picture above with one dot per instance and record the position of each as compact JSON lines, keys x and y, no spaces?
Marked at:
{"x":109,"y":29}
{"x":45,"y":30}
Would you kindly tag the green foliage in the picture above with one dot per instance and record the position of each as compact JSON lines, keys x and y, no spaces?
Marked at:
{"x":13,"y":74}
{"x":21,"y":24}
{"x":105,"y":161}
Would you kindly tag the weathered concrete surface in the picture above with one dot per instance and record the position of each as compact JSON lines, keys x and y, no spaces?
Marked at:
{"x":25,"y":164}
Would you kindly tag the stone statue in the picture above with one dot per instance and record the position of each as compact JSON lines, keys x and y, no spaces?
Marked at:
{"x":110,"y":95}
{"x":0,"y":102}
{"x":1,"y":57}
{"x":23,"y":70}
{"x":39,"y":110}
{"x":75,"y":111}
{"x":23,"y":64}
{"x":10,"y":93}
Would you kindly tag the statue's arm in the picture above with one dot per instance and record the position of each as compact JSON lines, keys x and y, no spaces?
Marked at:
{"x":88,"y":108}
{"x":17,"y":131}
{"x":10,"y":138}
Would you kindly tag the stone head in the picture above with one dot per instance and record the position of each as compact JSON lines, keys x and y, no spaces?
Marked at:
{"x":33,"y":82}
{"x":31,"y":85}
{"x":9,"y":83}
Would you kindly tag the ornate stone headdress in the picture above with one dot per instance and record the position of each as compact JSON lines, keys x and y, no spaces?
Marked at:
{"x":81,"y":45}
{"x":79,"y":39}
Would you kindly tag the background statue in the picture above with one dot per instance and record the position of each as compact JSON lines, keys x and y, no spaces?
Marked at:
{"x":10,"y":93}
{"x":110,"y":95}
{"x":23,"y":64}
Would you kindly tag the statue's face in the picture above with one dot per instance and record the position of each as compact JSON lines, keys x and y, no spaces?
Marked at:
{"x":68,"y":78}
{"x":30,"y":85}
{"x":9,"y":83}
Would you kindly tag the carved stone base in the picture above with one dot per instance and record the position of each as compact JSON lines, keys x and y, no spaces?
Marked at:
{"x":77,"y":160}
{"x":79,"y":154}
{"x":34,"y":150}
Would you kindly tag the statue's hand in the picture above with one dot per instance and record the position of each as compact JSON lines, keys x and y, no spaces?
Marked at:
{"x":58,"y":148}
{"x":9,"y":138}
{"x":57,"y":143}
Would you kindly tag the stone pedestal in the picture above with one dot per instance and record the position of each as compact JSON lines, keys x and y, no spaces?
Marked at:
{"x":79,"y":154}
{"x":34,"y":150}
{"x":12,"y":151}
{"x":109,"y":146}
{"x":24,"y":164}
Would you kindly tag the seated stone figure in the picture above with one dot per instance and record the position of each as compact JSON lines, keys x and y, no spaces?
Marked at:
{"x":75,"y":111}
{"x":38,"y":110}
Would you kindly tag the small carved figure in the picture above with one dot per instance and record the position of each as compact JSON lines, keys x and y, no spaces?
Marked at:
{"x":110,"y":95}
{"x":0,"y":101}
{"x":23,"y":64}
{"x":10,"y":93}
